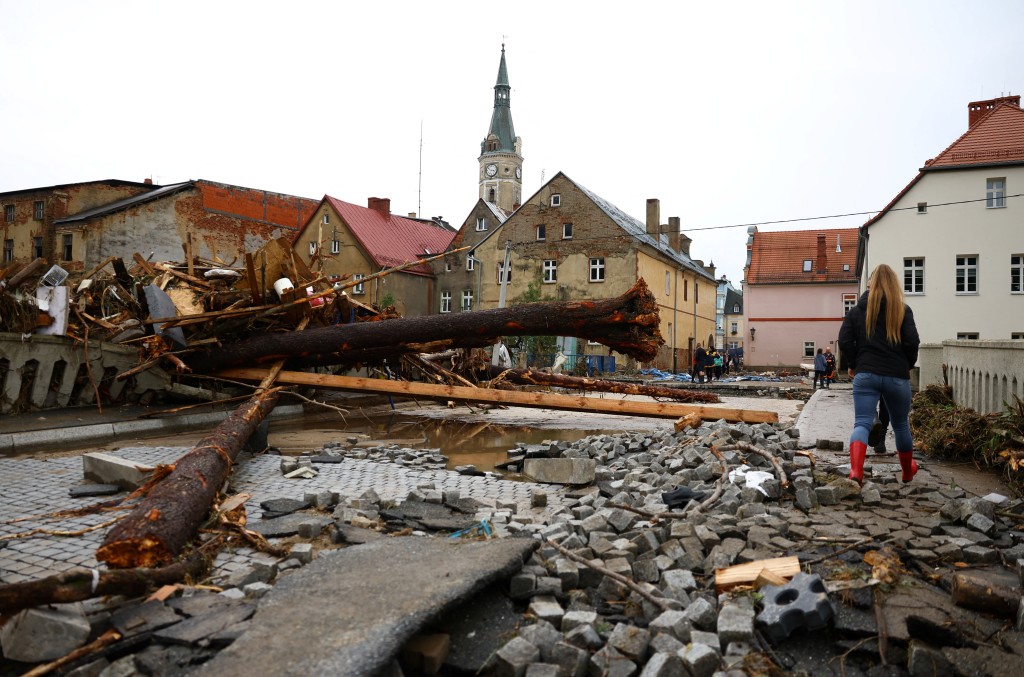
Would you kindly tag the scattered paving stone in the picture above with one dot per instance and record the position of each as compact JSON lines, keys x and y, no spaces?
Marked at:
{"x":44,"y":633}
{"x":84,"y":490}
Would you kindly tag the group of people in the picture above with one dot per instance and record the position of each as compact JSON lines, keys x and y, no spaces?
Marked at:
{"x":824,"y":368}
{"x":878,"y":345}
{"x":709,"y":365}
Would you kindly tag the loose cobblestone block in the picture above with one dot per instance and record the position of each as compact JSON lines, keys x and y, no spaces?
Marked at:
{"x":577,"y":617}
{"x":926,"y":661}
{"x":611,"y":663}
{"x":700,"y":660}
{"x":630,"y":641}
{"x":44,"y":633}
{"x":542,"y":635}
{"x":584,"y":637}
{"x":667,"y":664}
{"x":701,"y":613}
{"x":515,"y":657}
{"x":571,"y":660}
{"x":736,"y":622}
{"x":981,"y":523}
{"x":302,"y":552}
{"x":547,"y":609}
{"x":673,"y":623}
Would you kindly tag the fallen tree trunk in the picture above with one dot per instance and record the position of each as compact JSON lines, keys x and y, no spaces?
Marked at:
{"x":627,"y":324}
{"x":76,"y":585}
{"x":515,"y":398}
{"x":167,"y":518}
{"x":540,"y":378}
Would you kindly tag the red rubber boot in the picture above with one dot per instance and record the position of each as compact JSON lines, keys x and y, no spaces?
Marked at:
{"x":908,"y":464}
{"x":858,"y":450}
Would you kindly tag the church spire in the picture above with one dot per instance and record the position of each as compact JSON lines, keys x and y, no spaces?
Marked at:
{"x":501,"y":129}
{"x":501,"y":161}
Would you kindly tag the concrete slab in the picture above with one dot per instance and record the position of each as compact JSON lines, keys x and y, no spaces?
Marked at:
{"x":366,"y":611}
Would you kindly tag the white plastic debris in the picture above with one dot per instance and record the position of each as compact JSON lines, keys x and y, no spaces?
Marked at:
{"x":752,"y":479}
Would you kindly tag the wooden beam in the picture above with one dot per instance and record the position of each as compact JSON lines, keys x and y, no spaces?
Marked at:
{"x":749,"y":572}
{"x":536,"y":400}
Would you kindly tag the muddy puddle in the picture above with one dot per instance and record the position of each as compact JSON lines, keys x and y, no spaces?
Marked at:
{"x":464,"y":443}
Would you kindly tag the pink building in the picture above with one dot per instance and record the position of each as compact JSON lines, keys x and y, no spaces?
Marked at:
{"x":798,"y":286}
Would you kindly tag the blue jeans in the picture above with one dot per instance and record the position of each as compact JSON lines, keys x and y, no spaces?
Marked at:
{"x":895,"y":392}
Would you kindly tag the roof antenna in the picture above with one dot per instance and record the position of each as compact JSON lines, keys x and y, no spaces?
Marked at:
{"x":419,"y":187}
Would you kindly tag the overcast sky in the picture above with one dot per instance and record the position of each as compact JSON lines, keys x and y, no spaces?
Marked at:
{"x":730,"y":113}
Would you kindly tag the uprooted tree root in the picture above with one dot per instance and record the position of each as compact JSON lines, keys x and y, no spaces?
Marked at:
{"x":944,"y":429}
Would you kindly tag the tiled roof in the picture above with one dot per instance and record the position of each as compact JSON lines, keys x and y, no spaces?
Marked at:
{"x":778,"y":257}
{"x":393,"y":240}
{"x":638,"y":229}
{"x":997,"y":137}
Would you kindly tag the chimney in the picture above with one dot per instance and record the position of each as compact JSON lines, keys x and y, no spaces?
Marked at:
{"x":979,"y":109}
{"x":684,"y":243}
{"x":380,"y":204}
{"x":822,"y":257}
{"x":673,"y":233}
{"x":710,"y":268}
{"x":653,"y":217}
{"x":148,"y":181}
{"x":412,"y":215}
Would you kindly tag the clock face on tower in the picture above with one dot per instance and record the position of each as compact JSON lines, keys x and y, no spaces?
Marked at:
{"x":519,"y":173}
{"x":491,"y":169}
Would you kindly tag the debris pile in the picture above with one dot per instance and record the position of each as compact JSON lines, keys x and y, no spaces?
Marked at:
{"x":947,"y":430}
{"x":716,"y":548}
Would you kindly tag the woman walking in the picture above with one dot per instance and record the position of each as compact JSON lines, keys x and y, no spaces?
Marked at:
{"x":878,"y":343}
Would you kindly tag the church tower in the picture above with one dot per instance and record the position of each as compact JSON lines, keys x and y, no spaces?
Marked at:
{"x":501,"y":162}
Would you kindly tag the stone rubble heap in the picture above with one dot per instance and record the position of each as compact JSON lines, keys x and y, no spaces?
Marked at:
{"x":645,"y":602}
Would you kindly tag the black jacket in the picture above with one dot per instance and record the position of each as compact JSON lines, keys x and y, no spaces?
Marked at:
{"x":876,"y":355}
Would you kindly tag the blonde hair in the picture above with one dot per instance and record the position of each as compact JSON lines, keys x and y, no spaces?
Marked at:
{"x":883,"y":284}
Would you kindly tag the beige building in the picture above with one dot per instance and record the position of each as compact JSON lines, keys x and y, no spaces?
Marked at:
{"x":955,"y":235}
{"x":342,"y":239}
{"x":571,"y":244}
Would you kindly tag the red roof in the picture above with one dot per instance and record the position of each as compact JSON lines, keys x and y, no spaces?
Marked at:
{"x":778,"y":257}
{"x":997,"y":137}
{"x":392,"y":240}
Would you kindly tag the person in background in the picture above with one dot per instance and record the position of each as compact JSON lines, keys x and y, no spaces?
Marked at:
{"x":830,"y":367}
{"x":699,"y":357}
{"x":879,"y":344}
{"x":876,"y":437}
{"x":709,"y":363}
{"x":719,"y":362}
{"x":819,"y":369}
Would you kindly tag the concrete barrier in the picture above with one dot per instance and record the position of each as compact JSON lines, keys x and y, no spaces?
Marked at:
{"x":984,"y":375}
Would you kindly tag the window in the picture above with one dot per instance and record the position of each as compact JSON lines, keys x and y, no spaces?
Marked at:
{"x":556,"y":200}
{"x":849,"y":301}
{"x":481,"y":223}
{"x":922,"y":207}
{"x":335,"y":246}
{"x":1017,"y":336}
{"x":359,"y":288}
{"x":566,"y":231}
{"x":502,"y":273}
{"x":735,"y":307}
{"x":312,"y":248}
{"x":542,"y":232}
{"x":668,"y":283}
{"x":38,"y":210}
{"x":808,"y":348}
{"x":447,"y":266}
{"x":66,"y":250}
{"x":734,"y":328}
{"x":470,"y":262}
{"x":467,"y":299}
{"x":913,"y":276}
{"x":995,"y":193}
{"x":9,"y":213}
{"x":1016,"y":273}
{"x":846,"y":267}
{"x":597,"y":270}
{"x":967,"y":336}
{"x":550,"y":271}
{"x":326,"y":218}
{"x":967,"y":275}
{"x":807,"y":265}
{"x":686,"y":289}
{"x":8,"y":251}
{"x":696,"y":292}
{"x":37,"y":247}
{"x":446,"y":302}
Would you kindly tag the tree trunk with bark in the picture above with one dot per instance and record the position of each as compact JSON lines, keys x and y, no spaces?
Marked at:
{"x":541,"y":378}
{"x":627,"y":324}
{"x":167,"y":518}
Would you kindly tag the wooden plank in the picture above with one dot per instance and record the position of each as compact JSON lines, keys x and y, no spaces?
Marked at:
{"x":144,"y":264}
{"x":250,"y":273}
{"x":188,"y":278}
{"x":99,"y":267}
{"x":536,"y":400}
{"x":746,"y":574}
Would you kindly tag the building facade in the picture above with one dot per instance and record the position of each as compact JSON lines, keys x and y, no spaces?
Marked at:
{"x":215,"y":221}
{"x":955,"y":233}
{"x":798,"y":286}
{"x":347,"y":241}
{"x":27,"y":229}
